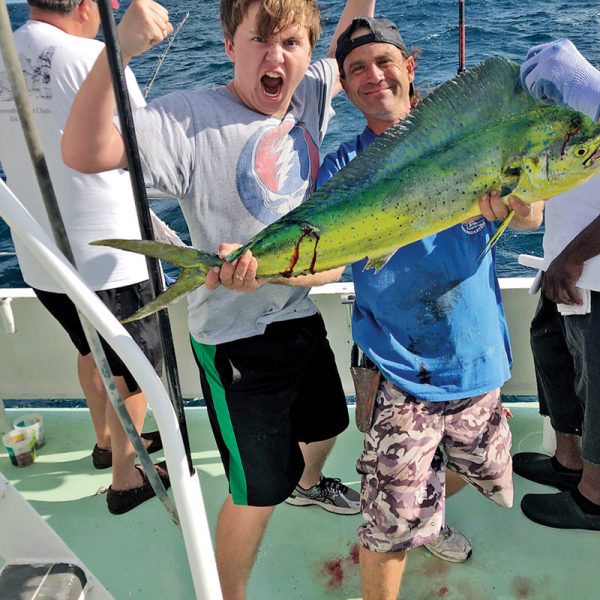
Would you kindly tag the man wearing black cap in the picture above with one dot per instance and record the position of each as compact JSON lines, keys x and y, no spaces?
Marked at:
{"x":431,"y":320}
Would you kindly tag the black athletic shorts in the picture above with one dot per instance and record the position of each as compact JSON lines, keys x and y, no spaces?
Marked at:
{"x":264,"y":395}
{"x":122,"y":302}
{"x":566,"y":355}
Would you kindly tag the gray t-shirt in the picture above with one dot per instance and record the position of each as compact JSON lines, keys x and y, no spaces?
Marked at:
{"x":234,"y":172}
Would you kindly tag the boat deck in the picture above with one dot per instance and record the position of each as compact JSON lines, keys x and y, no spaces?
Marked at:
{"x":307,"y":553}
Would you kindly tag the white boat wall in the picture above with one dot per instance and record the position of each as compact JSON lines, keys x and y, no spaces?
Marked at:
{"x":46,"y":370}
{"x":54,"y":356}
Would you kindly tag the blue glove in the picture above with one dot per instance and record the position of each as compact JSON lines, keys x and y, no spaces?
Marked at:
{"x":557,"y":73}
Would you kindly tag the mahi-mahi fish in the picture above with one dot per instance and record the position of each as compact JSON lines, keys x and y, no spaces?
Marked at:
{"x":476,"y":133}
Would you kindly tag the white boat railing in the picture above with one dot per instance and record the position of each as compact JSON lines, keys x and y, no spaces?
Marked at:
{"x":186,"y":487}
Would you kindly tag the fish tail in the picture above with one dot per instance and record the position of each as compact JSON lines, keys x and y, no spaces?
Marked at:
{"x":189,"y":279}
{"x":195,"y":265}
{"x":177,"y":255}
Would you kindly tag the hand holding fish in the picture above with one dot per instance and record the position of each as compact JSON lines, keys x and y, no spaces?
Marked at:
{"x":145,"y":24}
{"x":526,"y":217}
{"x":557,"y":73}
{"x":239,"y":275}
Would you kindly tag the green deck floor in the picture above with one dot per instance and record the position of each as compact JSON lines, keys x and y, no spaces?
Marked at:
{"x":307,"y":554}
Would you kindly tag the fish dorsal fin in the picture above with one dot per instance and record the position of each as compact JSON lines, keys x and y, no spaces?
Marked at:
{"x":487,"y":93}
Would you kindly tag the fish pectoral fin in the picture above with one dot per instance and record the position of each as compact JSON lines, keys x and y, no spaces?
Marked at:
{"x":177,"y":255}
{"x":509,"y":180}
{"x":189,"y":280}
{"x":501,"y":229}
{"x":378,"y":263}
{"x":535,"y":171}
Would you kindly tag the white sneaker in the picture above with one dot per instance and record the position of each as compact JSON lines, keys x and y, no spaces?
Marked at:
{"x":451,"y":546}
{"x":330,"y":494}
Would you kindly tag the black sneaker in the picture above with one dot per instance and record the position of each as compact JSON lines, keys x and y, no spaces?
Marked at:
{"x":120,"y":502}
{"x":102,"y":458}
{"x":559,"y":510}
{"x":330,"y":494}
{"x":546,"y":470}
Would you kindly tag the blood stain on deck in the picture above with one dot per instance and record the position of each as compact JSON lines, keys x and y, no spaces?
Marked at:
{"x":334,"y":570}
{"x":354,"y":553}
{"x":523,"y":587}
{"x":339,"y":569}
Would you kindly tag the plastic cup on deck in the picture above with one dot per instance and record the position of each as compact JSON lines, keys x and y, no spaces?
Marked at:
{"x":20,"y":445}
{"x":33,"y":423}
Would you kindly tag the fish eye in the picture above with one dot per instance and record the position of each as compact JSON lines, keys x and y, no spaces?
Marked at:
{"x":581,"y":151}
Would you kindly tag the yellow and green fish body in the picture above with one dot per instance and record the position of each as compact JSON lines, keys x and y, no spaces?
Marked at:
{"x":428,"y":174}
{"x":476,"y":133}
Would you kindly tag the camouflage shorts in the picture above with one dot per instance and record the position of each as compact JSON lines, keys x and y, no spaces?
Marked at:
{"x":403,"y":463}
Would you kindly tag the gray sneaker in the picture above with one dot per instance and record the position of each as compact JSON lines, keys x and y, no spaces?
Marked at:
{"x":330,"y":494}
{"x":451,"y":546}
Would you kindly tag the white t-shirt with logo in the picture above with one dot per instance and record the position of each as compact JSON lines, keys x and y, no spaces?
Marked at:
{"x":92,"y":206}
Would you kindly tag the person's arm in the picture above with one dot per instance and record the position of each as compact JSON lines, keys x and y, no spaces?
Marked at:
{"x":91,"y":142}
{"x":557,"y":73}
{"x":315,"y":280}
{"x":560,"y":279}
{"x":240,"y":275}
{"x":527,"y":216}
{"x":352,"y":9}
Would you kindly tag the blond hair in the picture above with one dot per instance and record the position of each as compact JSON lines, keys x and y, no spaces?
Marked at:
{"x":272,"y":17}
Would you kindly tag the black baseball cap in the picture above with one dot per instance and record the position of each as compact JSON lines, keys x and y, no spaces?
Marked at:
{"x":382,"y":31}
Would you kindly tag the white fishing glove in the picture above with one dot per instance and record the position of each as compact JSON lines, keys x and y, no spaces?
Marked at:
{"x":557,"y":73}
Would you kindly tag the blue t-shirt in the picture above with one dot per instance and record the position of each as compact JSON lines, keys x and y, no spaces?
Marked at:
{"x":432,"y":319}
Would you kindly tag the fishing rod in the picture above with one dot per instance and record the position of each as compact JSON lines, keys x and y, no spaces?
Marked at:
{"x":461,"y":36}
{"x":115,"y":63}
{"x":162,"y":57}
{"x":16,"y":79}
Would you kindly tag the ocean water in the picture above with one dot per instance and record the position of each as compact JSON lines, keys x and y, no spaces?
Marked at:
{"x":493,"y":27}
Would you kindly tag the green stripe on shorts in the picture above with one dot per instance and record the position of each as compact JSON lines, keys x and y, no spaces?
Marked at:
{"x":237,"y":478}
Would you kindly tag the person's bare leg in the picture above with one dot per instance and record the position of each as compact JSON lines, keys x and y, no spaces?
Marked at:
{"x":568,"y":451}
{"x":95,"y":397}
{"x":125,"y":475}
{"x":239,"y":532}
{"x":315,"y":454}
{"x":454,"y":483}
{"x":589,"y":486}
{"x":381,"y":574}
